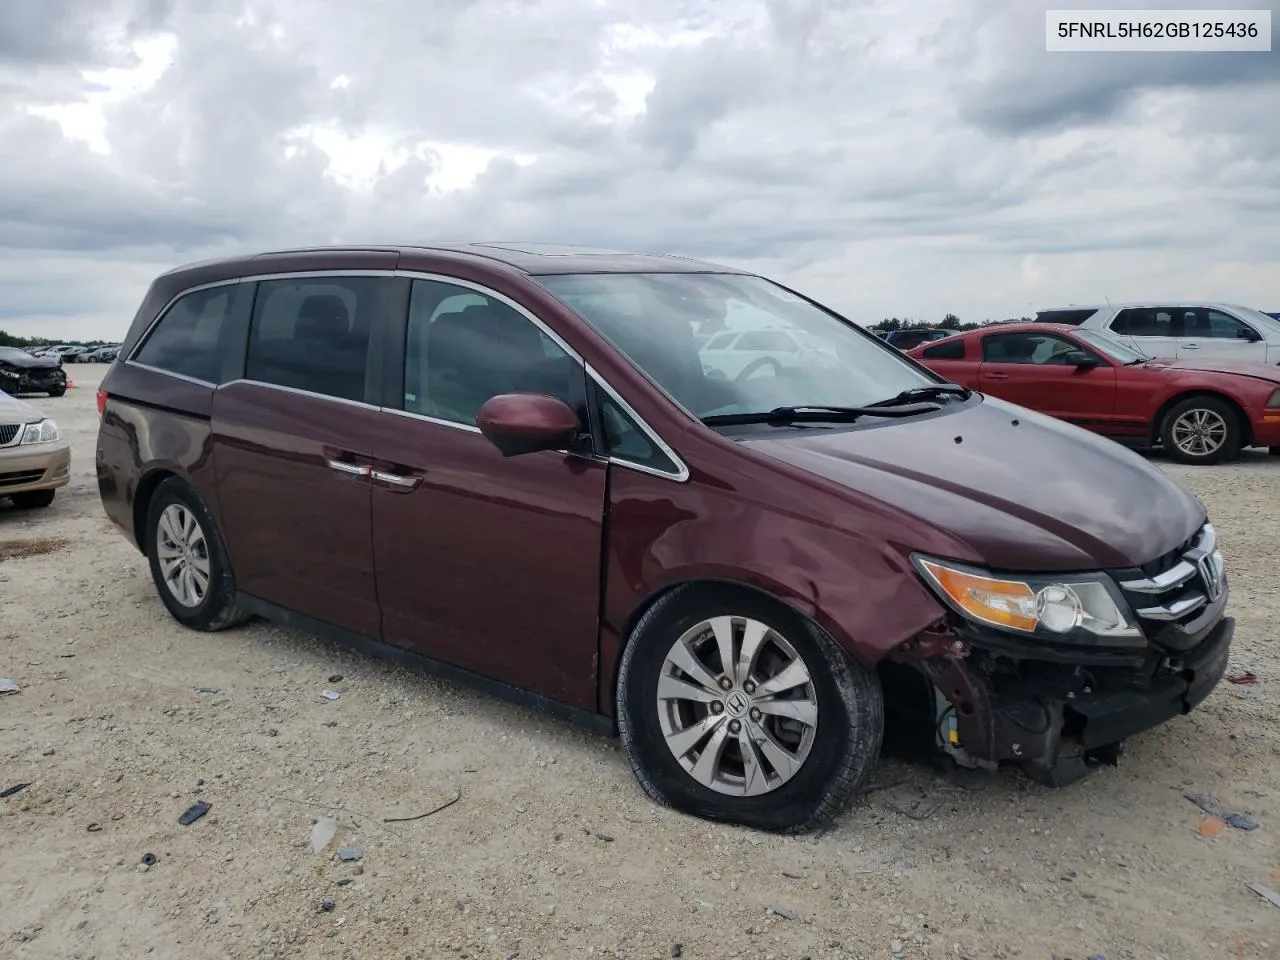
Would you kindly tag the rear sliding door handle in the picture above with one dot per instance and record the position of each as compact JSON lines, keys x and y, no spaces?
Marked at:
{"x":395,"y":479}
{"x":353,"y":469}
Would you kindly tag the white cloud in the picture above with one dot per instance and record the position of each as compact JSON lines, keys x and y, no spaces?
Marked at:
{"x":903,"y":158}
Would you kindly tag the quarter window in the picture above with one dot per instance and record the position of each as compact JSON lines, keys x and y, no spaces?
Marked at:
{"x":625,"y":440}
{"x":950,"y":350}
{"x":313,"y":334}
{"x":188,"y":337}
{"x":463,"y":348}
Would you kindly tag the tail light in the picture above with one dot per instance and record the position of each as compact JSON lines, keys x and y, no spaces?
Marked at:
{"x":102,"y":402}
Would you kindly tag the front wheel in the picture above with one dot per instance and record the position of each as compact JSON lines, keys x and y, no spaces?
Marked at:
{"x":57,"y":391}
{"x":188,"y":560}
{"x":734,"y":708}
{"x":1201,"y":430}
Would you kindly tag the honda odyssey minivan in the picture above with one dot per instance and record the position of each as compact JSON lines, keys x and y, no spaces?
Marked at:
{"x":508,"y":464}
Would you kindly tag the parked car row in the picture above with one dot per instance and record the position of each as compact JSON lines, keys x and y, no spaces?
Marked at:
{"x":519,"y":466}
{"x":102,"y":353}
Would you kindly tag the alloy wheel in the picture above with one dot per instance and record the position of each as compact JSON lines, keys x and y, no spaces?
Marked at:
{"x":1199,"y":432}
{"x":737,"y":706}
{"x":183,"y":553}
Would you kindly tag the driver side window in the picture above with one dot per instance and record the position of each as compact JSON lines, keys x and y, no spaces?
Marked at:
{"x":464,"y":347}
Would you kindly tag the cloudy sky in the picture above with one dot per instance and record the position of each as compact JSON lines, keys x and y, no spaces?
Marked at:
{"x":892,"y":157}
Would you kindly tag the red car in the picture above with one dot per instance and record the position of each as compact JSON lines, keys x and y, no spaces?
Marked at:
{"x":1199,"y":412}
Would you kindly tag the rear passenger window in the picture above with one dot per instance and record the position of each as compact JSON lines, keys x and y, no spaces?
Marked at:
{"x":948,"y":350}
{"x":313,"y":334}
{"x":1145,"y":322}
{"x":186,"y":340}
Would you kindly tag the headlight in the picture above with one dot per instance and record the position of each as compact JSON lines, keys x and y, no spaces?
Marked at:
{"x":1046,"y":605}
{"x":46,"y":431}
{"x":10,"y":373}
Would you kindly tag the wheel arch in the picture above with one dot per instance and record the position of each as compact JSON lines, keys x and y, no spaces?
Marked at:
{"x":147,"y":486}
{"x":1242,"y":419}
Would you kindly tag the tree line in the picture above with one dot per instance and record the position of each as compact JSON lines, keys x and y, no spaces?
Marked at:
{"x":949,"y":322}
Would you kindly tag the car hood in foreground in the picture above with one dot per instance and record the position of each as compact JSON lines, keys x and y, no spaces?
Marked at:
{"x":1022,"y":491}
{"x":13,"y":410}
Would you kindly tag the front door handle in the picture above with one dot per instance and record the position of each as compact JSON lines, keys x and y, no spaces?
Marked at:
{"x":996,"y":376}
{"x":1191,"y":346}
{"x":351,"y":469}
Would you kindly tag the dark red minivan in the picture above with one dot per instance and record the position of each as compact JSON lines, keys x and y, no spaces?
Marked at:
{"x":519,"y":465}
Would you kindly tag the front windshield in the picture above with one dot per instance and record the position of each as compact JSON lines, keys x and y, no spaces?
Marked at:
{"x":1110,"y":347}
{"x":787,"y":352}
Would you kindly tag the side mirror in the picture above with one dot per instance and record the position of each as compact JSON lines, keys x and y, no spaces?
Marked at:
{"x":519,"y":423}
{"x":1080,"y":360}
{"x":1245,"y":333}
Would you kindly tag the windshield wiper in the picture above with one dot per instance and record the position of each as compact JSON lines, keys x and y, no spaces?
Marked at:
{"x":782,"y":416}
{"x":932,"y":391}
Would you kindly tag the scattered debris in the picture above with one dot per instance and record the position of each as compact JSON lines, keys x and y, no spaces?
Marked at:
{"x":48,"y":753}
{"x":16,"y":788}
{"x":911,"y":801}
{"x":194,"y":813}
{"x":322,"y":833}
{"x":1211,"y":827}
{"x":447,"y":803}
{"x":148,"y":859}
{"x":350,"y":854}
{"x":273,"y":732}
{"x":1266,"y":893}
{"x":344,"y":881}
{"x":782,"y":912}
{"x":605,"y":837}
{"x":1215,"y":809}
{"x":94,"y":827}
{"x":327,"y":906}
{"x":9,"y":686}
{"x":703,"y":904}
{"x":792,"y":876}
{"x":1247,"y":678}
{"x":330,"y":694}
{"x":336,"y":678}
{"x":677,"y":949}
{"x":206,"y":689}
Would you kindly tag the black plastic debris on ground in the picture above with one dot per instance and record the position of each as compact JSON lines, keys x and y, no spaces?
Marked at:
{"x":1215,"y":809}
{"x":194,"y":813}
{"x":14,"y":789}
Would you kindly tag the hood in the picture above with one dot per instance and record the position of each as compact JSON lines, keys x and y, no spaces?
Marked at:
{"x":1257,"y":369}
{"x":1039,"y":496}
{"x":13,"y":410}
{"x":28,"y":362}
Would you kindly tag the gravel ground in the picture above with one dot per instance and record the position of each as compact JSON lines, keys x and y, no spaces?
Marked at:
{"x":551,"y":850}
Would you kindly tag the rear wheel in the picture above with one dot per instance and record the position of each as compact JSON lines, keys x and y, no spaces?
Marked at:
{"x":1201,"y":430}
{"x":57,"y":391}
{"x":33,"y":499}
{"x":188,"y":559}
{"x":732,"y":707}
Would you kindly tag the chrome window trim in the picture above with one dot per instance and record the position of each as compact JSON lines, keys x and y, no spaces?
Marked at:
{"x":680,"y":476}
{"x":298,"y":392}
{"x":682,"y":470}
{"x":171,"y":373}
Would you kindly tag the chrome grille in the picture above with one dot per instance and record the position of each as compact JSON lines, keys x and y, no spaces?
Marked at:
{"x":1183,"y":584}
{"x":9,"y":433}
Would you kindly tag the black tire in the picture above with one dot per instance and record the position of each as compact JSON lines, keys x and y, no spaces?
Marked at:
{"x":1274,"y":451}
{"x":33,"y":499}
{"x":57,"y":391}
{"x":847,"y":738}
{"x":217,"y":610}
{"x":1212,"y":406}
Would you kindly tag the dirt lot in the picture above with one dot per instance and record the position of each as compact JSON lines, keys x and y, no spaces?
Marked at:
{"x":125,"y":720}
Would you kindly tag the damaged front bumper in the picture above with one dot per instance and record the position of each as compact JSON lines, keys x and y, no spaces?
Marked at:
{"x":1059,"y":710}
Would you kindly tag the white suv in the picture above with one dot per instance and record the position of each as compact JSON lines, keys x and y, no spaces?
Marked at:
{"x":1180,"y":329}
